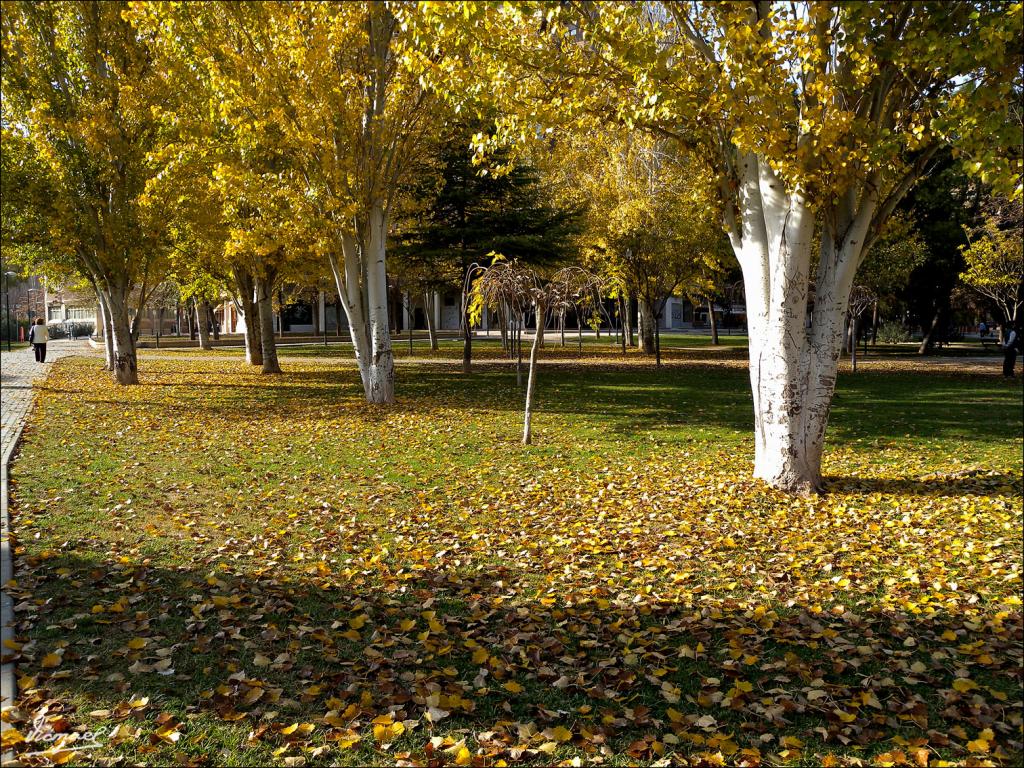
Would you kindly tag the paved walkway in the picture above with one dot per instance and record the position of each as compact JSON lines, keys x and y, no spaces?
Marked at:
{"x":18,"y":372}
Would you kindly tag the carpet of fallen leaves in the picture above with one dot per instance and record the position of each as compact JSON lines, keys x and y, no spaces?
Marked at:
{"x":218,"y":568}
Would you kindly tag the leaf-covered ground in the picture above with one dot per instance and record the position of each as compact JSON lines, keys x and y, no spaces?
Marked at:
{"x":221,"y":568}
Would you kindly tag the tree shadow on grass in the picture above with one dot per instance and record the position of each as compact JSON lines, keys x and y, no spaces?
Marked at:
{"x":970,"y":483}
{"x":254,"y":645}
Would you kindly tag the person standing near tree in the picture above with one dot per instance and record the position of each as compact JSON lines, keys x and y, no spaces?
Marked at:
{"x":38,"y":335}
{"x":1008,"y":340}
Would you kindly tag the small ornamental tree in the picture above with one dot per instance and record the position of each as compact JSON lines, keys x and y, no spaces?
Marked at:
{"x":514,"y":289}
{"x":861,"y":297}
{"x":995,"y":257}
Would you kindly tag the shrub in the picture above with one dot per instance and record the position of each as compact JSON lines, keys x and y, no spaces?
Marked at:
{"x":893,"y":333}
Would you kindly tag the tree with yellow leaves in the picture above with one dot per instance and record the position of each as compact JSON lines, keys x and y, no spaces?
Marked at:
{"x":810,"y":113}
{"x":994,"y":257}
{"x":651,"y":219}
{"x":78,"y":87}
{"x":325,"y":87}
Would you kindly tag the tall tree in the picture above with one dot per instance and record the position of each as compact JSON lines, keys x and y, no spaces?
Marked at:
{"x":942,"y":205}
{"x":650,"y":219}
{"x":327,"y":85}
{"x":812,"y":112}
{"x":78,"y":84}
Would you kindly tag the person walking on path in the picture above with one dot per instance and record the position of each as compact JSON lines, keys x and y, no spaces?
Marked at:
{"x":38,"y":335}
{"x":1008,"y":338}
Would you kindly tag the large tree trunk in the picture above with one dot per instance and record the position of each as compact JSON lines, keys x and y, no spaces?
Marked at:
{"x":714,"y":322}
{"x":126,"y":366}
{"x":792,"y":365}
{"x":265,"y":314}
{"x":428,"y":313}
{"x":348,"y":281}
{"x":107,"y":330}
{"x":531,"y":381}
{"x":646,"y":329}
{"x":382,"y":362}
{"x":246,"y":295}
{"x":202,"y":323}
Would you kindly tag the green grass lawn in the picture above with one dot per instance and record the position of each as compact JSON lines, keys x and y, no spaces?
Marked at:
{"x":213,"y":557}
{"x":672,"y":342}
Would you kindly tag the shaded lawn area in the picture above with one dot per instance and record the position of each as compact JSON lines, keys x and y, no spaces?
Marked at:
{"x":234,"y":569}
{"x":731,"y":344}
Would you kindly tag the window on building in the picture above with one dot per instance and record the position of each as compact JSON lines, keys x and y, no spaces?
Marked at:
{"x":53,"y":314}
{"x":81,"y":313}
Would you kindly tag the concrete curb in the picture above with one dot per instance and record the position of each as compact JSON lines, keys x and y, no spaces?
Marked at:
{"x":8,"y":684}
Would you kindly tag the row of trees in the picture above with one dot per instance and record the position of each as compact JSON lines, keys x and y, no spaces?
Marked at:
{"x":241,"y":142}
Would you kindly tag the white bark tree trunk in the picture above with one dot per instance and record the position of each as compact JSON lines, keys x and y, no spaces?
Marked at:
{"x":246,"y":293}
{"x":627,"y":321}
{"x":201,"y":325}
{"x":646,"y":328}
{"x":349,"y":282}
{"x":713,"y":322}
{"x":381,"y":388}
{"x":126,"y":368}
{"x":793,"y":365}
{"x":108,"y":333}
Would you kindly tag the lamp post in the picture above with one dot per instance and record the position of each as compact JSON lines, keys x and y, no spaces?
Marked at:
{"x":7,"y":293}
